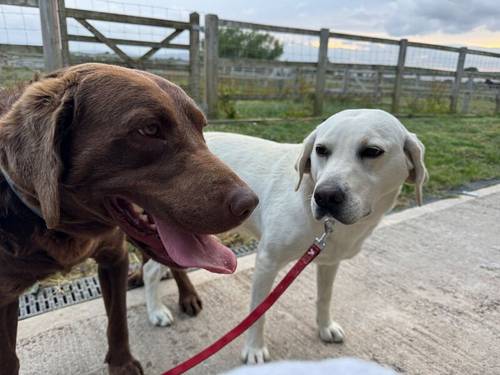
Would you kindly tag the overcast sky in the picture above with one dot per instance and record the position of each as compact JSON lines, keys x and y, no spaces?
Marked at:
{"x":457,"y":22}
{"x":460,"y":22}
{"x":473,"y":24}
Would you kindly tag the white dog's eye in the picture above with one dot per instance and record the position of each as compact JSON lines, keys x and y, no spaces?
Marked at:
{"x":322,"y":150}
{"x":371,"y":152}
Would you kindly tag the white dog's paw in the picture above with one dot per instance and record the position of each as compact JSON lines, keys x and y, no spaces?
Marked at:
{"x":252,"y":356}
{"x":161,"y":317}
{"x":332,"y":333}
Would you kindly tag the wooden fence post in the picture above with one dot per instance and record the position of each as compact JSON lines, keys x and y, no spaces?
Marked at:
{"x":403,"y":44}
{"x":321,"y":71}
{"x":468,"y":94}
{"x":345,"y":82}
{"x":497,"y":103}
{"x":194,"y":57}
{"x":61,"y":12}
{"x":211,"y":63}
{"x":51,"y":34}
{"x":458,"y":80}
{"x":377,"y":87}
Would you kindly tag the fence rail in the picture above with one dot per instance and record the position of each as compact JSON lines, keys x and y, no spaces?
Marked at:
{"x":21,"y":3}
{"x":327,"y":71}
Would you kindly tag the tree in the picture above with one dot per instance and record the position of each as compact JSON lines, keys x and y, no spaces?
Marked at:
{"x":235,"y":43}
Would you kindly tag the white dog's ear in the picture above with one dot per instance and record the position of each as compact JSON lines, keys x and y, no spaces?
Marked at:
{"x":303,"y":163}
{"x":415,"y":150}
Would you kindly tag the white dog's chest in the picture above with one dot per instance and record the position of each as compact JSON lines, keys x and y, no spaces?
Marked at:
{"x":341,"y":246}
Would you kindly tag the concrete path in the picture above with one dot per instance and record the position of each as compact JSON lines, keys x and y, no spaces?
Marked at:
{"x":423,"y":297}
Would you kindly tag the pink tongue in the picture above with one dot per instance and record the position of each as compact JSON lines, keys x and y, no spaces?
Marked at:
{"x":201,"y":251}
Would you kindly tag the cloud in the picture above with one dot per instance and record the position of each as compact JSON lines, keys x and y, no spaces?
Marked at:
{"x":421,"y":17}
{"x":342,"y":44}
{"x":460,"y":22}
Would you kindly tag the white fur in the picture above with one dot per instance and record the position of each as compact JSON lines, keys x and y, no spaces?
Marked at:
{"x":287,"y":220}
{"x":158,"y":313}
{"x":339,"y":366}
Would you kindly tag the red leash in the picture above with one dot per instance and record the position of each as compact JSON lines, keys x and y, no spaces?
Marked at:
{"x":260,"y":310}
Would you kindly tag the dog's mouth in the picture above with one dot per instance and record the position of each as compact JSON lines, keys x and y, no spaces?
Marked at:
{"x":171,"y":244}
{"x":320,"y":214}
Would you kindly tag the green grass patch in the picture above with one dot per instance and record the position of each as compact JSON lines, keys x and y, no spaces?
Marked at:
{"x":272,"y":108}
{"x":253,"y":109}
{"x":10,"y":76}
{"x":459,"y":150}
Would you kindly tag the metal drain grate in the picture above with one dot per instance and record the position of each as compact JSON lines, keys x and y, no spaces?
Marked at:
{"x":81,"y":290}
{"x":52,"y":298}
{"x":246,"y":249}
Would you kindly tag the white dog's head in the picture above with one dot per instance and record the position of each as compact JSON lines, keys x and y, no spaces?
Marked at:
{"x":355,"y":158}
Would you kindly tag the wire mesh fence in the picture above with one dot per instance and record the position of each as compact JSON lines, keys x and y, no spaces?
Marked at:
{"x":345,"y":51}
{"x":127,"y":31}
{"x":357,"y":70}
{"x":480,"y":85}
{"x":255,"y":65}
{"x":266,"y":63}
{"x":20,"y":42}
{"x":419,"y":57}
{"x":20,"y":26}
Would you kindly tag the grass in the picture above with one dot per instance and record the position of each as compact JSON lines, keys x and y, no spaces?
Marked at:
{"x":9,"y":76}
{"x":251,"y":109}
{"x":459,"y":150}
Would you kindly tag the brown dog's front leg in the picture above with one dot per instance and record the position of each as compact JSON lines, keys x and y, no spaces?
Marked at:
{"x":113,"y":280}
{"x":189,"y":301}
{"x":9,"y":364}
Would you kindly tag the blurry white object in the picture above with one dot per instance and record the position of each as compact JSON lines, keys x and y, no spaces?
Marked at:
{"x":340,"y":366}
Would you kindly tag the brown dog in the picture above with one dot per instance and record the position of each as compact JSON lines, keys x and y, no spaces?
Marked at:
{"x":94,"y":148}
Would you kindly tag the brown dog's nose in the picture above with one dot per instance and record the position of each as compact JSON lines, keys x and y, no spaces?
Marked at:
{"x":242,"y":202}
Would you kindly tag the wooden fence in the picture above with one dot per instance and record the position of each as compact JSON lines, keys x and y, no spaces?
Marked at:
{"x":53,"y":20}
{"x":284,"y":79}
{"x":460,"y":82}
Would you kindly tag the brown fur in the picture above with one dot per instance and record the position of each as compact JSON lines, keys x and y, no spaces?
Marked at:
{"x":69,"y":141}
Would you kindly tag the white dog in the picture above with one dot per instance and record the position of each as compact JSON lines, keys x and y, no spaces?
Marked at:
{"x":351,"y":168}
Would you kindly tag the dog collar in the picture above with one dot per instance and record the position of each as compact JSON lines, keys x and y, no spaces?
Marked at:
{"x":12,"y":186}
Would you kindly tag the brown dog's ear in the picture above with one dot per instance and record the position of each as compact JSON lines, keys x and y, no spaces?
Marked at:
{"x":31,"y":135}
{"x":303,"y":163}
{"x":415,"y":150}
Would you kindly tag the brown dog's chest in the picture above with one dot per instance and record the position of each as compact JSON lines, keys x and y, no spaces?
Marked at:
{"x":68,"y":252}
{"x":18,"y":273}
{"x":22,"y":267}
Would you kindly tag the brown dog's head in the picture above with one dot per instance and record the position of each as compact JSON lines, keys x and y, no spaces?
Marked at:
{"x":97,"y":145}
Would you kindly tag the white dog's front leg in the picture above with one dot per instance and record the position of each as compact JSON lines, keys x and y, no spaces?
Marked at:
{"x":158,"y":313}
{"x":329,"y":331}
{"x":255,"y":350}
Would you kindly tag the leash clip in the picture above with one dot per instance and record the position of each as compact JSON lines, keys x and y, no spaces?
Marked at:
{"x":321,"y":241}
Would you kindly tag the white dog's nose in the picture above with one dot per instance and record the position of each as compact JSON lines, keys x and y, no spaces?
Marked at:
{"x":329,"y":197}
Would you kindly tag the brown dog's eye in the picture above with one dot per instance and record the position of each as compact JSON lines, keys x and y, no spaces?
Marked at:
{"x":149,"y":131}
{"x":371,"y":152}
{"x":322,"y":150}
